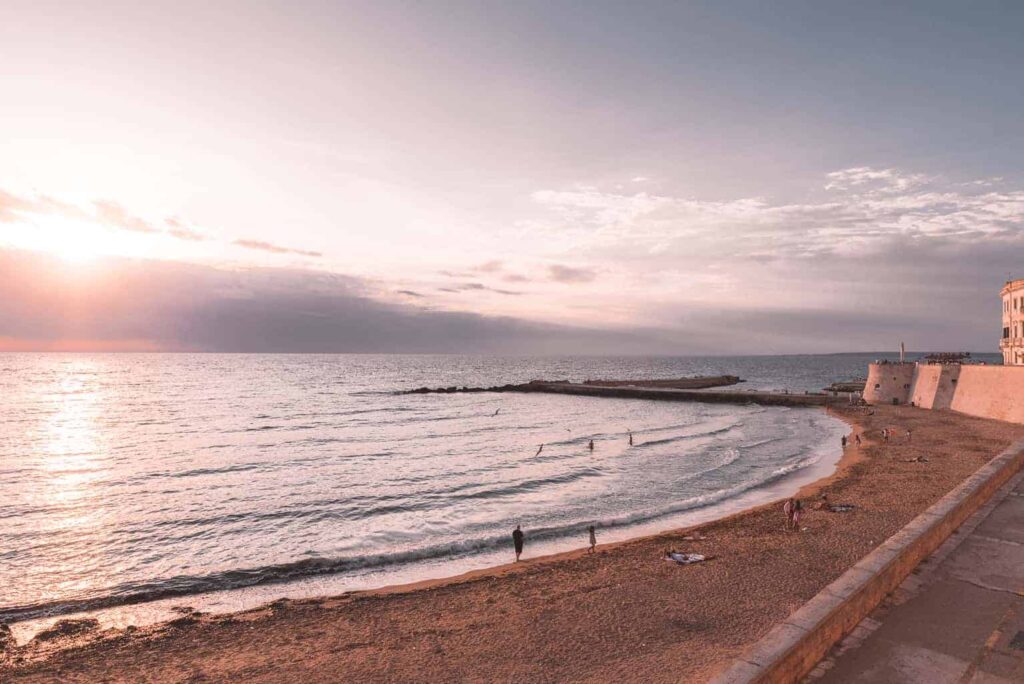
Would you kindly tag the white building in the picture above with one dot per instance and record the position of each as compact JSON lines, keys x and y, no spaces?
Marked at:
{"x":1012,"y":341}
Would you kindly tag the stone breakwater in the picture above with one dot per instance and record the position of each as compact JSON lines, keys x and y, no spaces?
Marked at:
{"x":702,"y":382}
{"x":641,"y":389}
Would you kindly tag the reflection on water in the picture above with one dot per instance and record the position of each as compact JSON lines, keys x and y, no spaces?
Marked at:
{"x":70,"y":458}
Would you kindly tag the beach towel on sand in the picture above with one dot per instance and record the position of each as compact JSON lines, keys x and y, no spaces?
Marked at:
{"x":685,"y":558}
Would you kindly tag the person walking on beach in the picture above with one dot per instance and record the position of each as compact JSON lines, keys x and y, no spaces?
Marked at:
{"x":908,"y":435}
{"x":517,"y":541}
{"x":856,"y":440}
{"x":844,"y":441}
{"x":593,"y":538}
{"x":787,"y":508}
{"x":797,"y":510}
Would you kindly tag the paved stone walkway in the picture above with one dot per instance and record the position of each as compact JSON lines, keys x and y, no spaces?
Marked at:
{"x":958,"y":618}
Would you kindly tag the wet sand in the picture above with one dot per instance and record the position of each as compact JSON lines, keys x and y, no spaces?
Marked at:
{"x":622,"y":614}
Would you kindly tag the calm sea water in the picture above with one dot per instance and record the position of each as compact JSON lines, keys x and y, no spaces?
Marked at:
{"x":131,"y":478}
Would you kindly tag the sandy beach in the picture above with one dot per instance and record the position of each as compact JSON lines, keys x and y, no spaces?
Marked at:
{"x":622,"y":614}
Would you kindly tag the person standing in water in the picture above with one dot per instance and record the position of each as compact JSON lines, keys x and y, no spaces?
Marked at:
{"x":593,"y":538}
{"x":517,"y":541}
{"x":630,"y":438}
{"x":591,"y":445}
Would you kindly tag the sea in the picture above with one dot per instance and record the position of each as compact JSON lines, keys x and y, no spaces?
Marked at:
{"x":134,"y":485}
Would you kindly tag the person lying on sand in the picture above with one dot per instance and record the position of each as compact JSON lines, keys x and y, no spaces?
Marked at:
{"x":684,"y":558}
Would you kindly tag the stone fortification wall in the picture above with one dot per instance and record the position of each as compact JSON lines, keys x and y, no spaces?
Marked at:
{"x":984,"y":391}
{"x":888,"y":382}
{"x":991,"y":392}
{"x":935,"y":385}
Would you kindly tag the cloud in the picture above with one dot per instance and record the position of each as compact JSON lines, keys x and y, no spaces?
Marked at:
{"x":515,"y":278}
{"x":882,"y":180}
{"x":490,"y":267}
{"x":176,"y":228}
{"x":493,"y":266}
{"x":274,"y":249}
{"x":15,"y":209}
{"x":478,"y":287}
{"x":567,"y":274}
{"x":864,"y":211}
{"x":409,"y":293}
{"x":125,"y":304}
{"x":930,"y":251}
{"x":113,"y":214}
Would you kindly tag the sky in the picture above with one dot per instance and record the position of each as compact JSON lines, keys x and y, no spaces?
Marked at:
{"x":494,"y":177}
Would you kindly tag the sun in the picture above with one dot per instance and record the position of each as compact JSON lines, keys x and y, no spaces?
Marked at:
{"x":75,"y":251}
{"x":76,"y":241}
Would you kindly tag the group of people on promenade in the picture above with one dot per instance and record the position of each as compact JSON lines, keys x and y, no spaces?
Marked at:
{"x":518,"y":539}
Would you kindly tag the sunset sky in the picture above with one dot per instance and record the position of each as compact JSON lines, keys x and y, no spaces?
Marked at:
{"x":535,"y":177}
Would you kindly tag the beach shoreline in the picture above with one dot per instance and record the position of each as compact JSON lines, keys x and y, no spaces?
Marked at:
{"x":641,"y":614}
{"x":824,"y":453}
{"x":846,"y":459}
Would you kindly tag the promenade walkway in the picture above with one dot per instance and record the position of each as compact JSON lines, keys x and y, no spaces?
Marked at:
{"x":958,"y":618}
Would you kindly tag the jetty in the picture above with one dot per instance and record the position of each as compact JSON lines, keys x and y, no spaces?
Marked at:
{"x":705,"y":389}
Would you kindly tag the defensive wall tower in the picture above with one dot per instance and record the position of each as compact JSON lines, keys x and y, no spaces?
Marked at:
{"x":889,"y":383}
